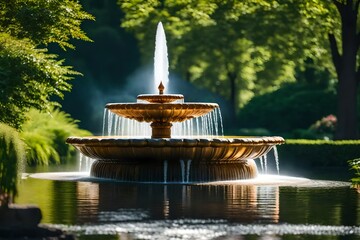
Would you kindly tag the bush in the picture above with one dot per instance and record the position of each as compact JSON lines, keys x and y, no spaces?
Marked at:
{"x":291,"y":107}
{"x":12,"y":154}
{"x":248,"y":132}
{"x":45,"y":135}
{"x":321,"y":129}
{"x":302,"y":134}
{"x":319,"y":153}
{"x":355,"y":166}
{"x":325,"y":125}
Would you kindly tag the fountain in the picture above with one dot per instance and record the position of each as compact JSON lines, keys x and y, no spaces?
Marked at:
{"x":144,"y":143}
{"x":161,"y":157}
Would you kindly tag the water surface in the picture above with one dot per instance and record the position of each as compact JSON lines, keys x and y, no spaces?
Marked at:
{"x":109,"y":210}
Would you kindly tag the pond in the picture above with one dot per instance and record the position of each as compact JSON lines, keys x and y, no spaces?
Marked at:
{"x":110,"y":210}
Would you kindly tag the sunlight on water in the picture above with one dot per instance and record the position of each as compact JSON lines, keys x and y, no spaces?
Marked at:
{"x":207,"y":229}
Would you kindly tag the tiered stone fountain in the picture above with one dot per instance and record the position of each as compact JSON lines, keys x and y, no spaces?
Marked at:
{"x":161,"y":158}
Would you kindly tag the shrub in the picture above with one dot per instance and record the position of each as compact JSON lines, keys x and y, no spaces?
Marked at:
{"x":291,"y":107}
{"x":301,"y":134}
{"x":324,"y":128}
{"x":248,"y":132}
{"x":12,"y":154}
{"x":355,"y":166}
{"x":320,"y":153}
{"x":45,"y":135}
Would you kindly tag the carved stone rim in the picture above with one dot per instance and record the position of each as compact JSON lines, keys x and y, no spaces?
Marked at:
{"x":161,"y":106}
{"x":174,"y":142}
{"x":160,"y":98}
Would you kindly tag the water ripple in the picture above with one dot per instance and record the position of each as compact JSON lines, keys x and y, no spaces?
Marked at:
{"x":204,"y":229}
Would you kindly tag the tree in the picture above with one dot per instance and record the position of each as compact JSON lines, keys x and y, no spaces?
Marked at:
{"x":291,"y":32}
{"x":30,"y":76}
{"x":208,"y":46}
{"x":346,"y":62}
{"x":332,"y":27}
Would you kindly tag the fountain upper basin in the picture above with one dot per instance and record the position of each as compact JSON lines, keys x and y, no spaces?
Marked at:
{"x":161,"y":112}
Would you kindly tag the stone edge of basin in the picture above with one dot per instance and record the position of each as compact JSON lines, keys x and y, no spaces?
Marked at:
{"x":180,"y":142}
{"x":23,"y":222}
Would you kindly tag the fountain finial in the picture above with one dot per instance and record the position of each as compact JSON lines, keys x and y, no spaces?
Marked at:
{"x":161,"y":88}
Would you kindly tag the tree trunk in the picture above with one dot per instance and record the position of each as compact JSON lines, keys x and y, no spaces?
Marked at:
{"x":233,"y":99}
{"x":346,"y":69}
{"x":347,"y":125}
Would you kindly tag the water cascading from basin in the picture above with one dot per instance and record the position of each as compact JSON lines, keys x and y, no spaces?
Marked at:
{"x":162,"y":138}
{"x":209,"y":125}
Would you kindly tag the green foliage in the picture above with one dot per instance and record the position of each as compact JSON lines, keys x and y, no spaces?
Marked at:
{"x":355,"y":166}
{"x":106,"y":64}
{"x":28,"y":78}
{"x":247,"y":132}
{"x":319,"y":153}
{"x":243,"y":48}
{"x":44,"y":21}
{"x":294,"y":106}
{"x":45,"y":133}
{"x":12,"y":155}
{"x":29,"y":75}
{"x":249,"y":47}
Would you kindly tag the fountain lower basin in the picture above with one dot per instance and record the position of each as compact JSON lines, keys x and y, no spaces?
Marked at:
{"x":174,"y":159}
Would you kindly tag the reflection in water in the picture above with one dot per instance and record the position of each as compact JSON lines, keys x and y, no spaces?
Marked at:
{"x":166,"y":203}
{"x":87,"y":195}
{"x":338,"y":206}
{"x":235,"y":203}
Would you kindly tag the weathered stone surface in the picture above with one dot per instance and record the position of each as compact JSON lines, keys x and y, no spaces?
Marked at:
{"x":35,"y":233}
{"x":22,"y":222}
{"x":25,"y":216}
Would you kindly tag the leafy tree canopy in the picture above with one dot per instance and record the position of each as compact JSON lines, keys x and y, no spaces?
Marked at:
{"x":281,"y":36}
{"x":29,"y":74}
{"x":252,"y":46}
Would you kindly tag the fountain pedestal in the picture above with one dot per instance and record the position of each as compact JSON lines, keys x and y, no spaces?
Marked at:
{"x":160,"y":129}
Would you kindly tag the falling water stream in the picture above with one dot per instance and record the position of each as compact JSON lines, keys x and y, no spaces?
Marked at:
{"x":209,"y":125}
